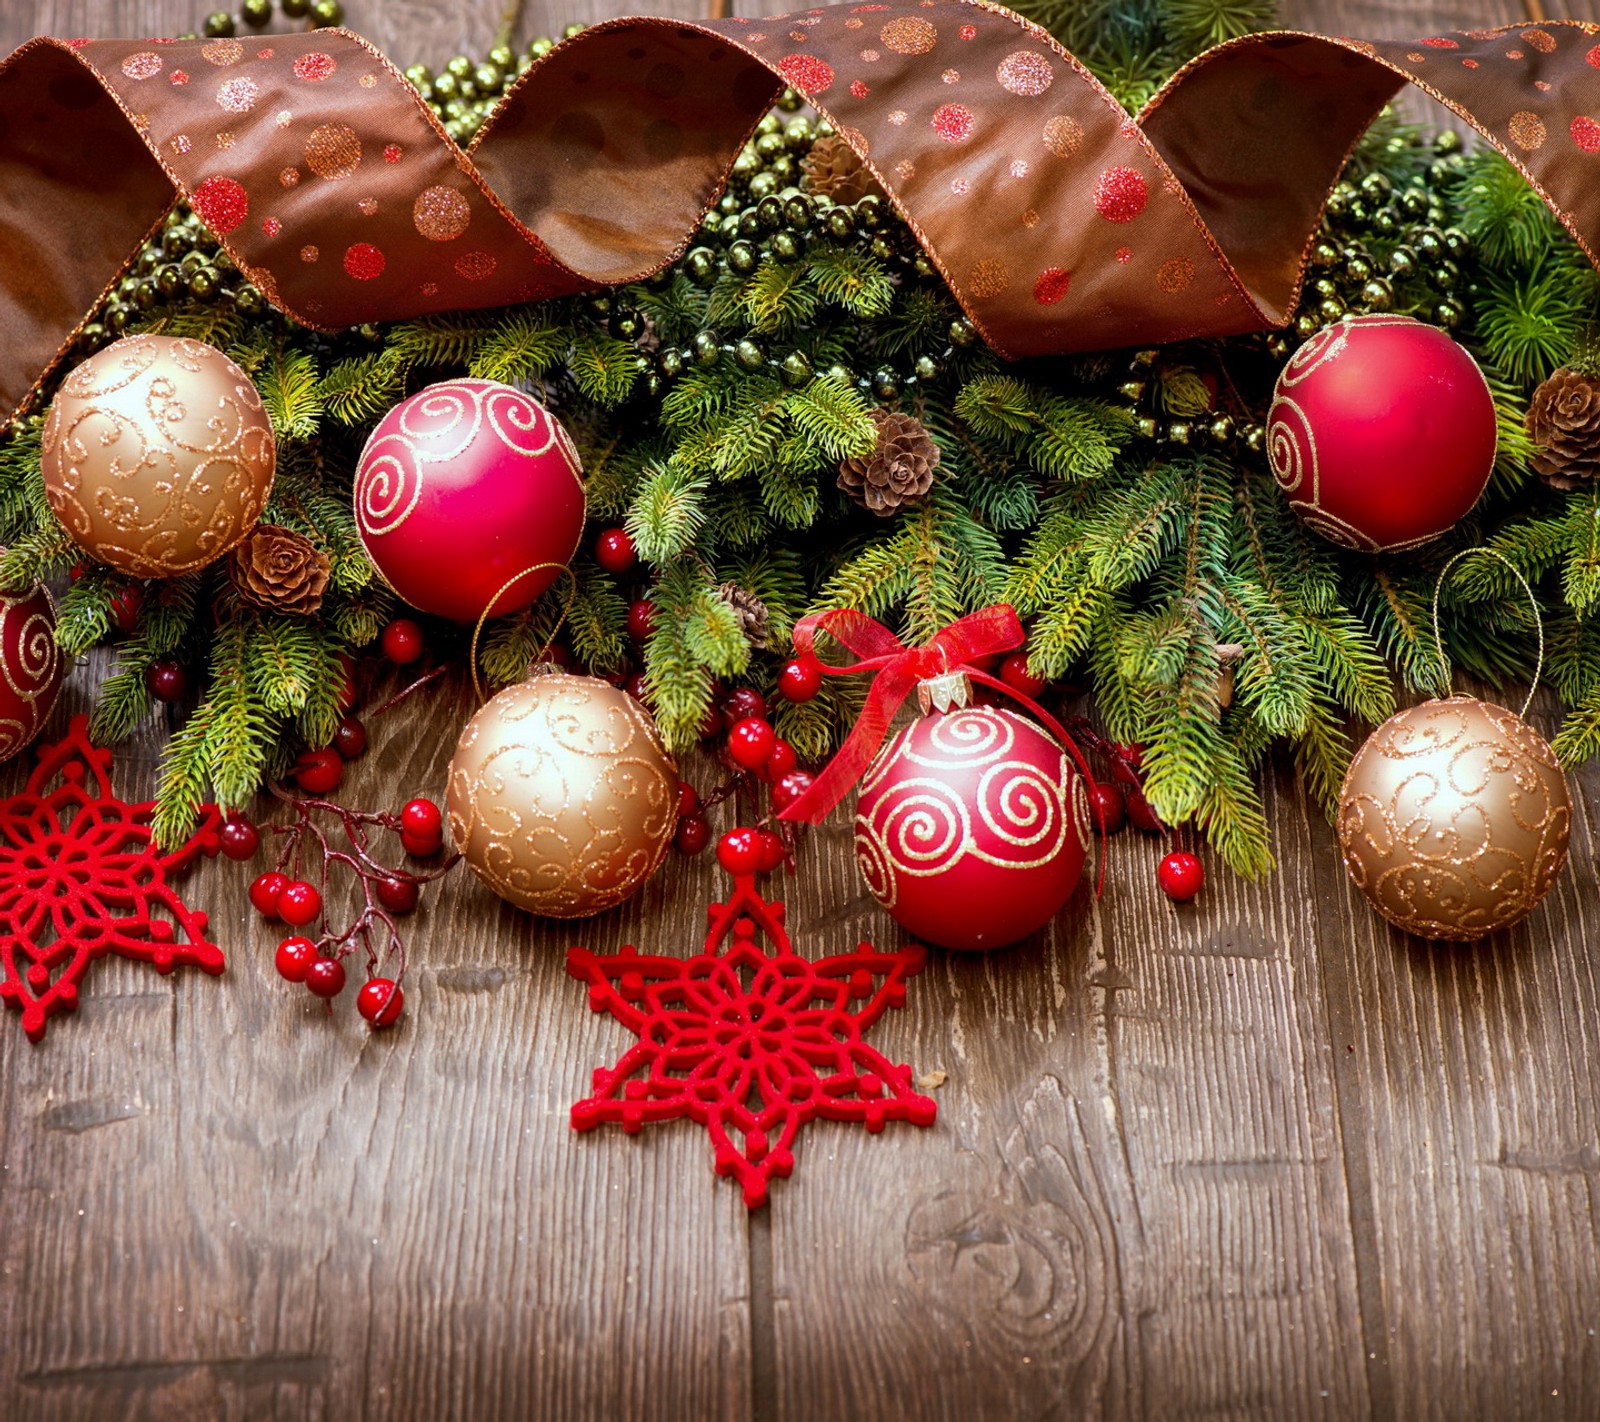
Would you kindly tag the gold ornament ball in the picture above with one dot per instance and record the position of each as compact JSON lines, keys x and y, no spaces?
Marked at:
{"x":158,"y":456}
{"x":1454,"y":818}
{"x":562,"y":798}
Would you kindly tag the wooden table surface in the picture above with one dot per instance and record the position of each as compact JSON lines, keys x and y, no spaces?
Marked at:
{"x":1258,"y":1157}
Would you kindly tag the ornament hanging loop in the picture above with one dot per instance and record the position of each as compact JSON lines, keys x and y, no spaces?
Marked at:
{"x":505,"y":587}
{"x":1538,"y":621}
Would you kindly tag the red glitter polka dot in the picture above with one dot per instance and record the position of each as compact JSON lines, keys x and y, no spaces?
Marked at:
{"x":364,"y":261}
{"x":1593,"y":56}
{"x":222,"y":204}
{"x":953,"y":122}
{"x":968,"y":32}
{"x":1121,"y":194}
{"x":1051,"y":285}
{"x":1124,"y":255}
{"x":272,"y":227}
{"x":178,"y":76}
{"x":314,"y":67}
{"x":1442,"y":43}
{"x":806,"y":73}
{"x":1469,"y":63}
{"x":391,"y":153}
{"x":859,"y":90}
{"x":1586,"y":133}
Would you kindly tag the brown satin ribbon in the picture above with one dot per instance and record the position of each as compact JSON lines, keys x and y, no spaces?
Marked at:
{"x":1060,"y":222}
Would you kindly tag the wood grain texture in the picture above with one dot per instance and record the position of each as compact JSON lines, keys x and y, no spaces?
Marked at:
{"x":1258,"y":1157}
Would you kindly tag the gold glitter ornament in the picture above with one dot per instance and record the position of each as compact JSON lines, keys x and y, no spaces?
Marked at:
{"x":157,"y":455}
{"x":1454,"y":815}
{"x":561,"y":796}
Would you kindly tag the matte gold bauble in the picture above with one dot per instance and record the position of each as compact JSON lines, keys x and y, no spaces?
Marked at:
{"x":562,"y":798}
{"x":158,"y":456}
{"x":1454,"y":818}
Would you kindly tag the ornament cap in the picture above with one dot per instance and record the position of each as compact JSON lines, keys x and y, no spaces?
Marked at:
{"x":950,"y":692}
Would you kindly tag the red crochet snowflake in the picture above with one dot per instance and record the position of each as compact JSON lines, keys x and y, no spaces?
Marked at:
{"x":750,"y":1043}
{"x":80,"y":877}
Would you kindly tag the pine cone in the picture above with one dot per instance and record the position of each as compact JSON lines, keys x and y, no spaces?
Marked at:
{"x":1564,"y":418}
{"x":899,"y":470}
{"x":751,"y":612}
{"x":280,"y":569}
{"x":833,"y":169}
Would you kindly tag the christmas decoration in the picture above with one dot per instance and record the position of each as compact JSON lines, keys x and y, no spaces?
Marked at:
{"x":1181,"y":876}
{"x":280,"y":569}
{"x":562,"y":798}
{"x":30,"y":668}
{"x":900,"y":469}
{"x":749,"y":1040}
{"x":80,"y":877}
{"x":833,"y":168}
{"x":1382,"y":432}
{"x":1564,"y":421}
{"x":158,"y":456}
{"x":469,"y":498}
{"x":1454,"y":819}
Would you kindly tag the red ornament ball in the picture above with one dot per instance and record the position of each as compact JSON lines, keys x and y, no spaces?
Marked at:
{"x":30,"y":668}
{"x":972,"y":828}
{"x":1381,"y":432}
{"x":380,"y":1002}
{"x":1181,"y":876}
{"x":465,"y":488}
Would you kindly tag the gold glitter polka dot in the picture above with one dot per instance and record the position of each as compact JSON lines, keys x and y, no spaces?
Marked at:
{"x":367,"y":206}
{"x":898,"y":116}
{"x":1019,"y":169}
{"x":853,"y":23}
{"x":180,"y":143}
{"x":905,"y":170}
{"x":223,"y":52}
{"x":225,"y":140}
{"x":908,"y":35}
{"x":238,"y":96}
{"x":951,"y":76}
{"x":857,"y":140}
{"x":870,"y":55}
{"x":285,"y":118}
{"x":1174,"y":275}
{"x":144,"y":65}
{"x":1527,"y":130}
{"x":309,"y":254}
{"x":441,"y":214}
{"x":333,"y":151}
{"x":987,"y":277}
{"x":1062,"y":135}
{"x":474,"y":266}
{"x":1030,"y":218}
{"x":289,"y":177}
{"x":1025,"y":73}
{"x":430,"y":288}
{"x":367,"y":81}
{"x":1513,"y":54}
{"x":1541,"y":40}
{"x":798,"y":36}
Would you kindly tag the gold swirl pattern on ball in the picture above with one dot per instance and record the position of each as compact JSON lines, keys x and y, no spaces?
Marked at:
{"x":30,"y":667}
{"x":1454,"y":819}
{"x":1292,"y":451}
{"x":157,"y":455}
{"x":561,"y":796}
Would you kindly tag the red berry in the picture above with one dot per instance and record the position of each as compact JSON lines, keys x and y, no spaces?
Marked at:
{"x":773,"y":849}
{"x":167,"y":679}
{"x":1181,"y":876}
{"x":713,"y":723}
{"x":350,"y":740}
{"x":397,"y":893}
{"x":402,"y":641}
{"x":299,"y":903}
{"x":421,"y":819}
{"x":347,"y":681}
{"x":325,"y":977}
{"x":745,"y":703}
{"x":294,"y":956}
{"x":1108,"y":806}
{"x":790,"y":788}
{"x":740,"y":851}
{"x":421,"y":846}
{"x":1141,"y":815}
{"x":125,"y":608}
{"x":694,"y":834}
{"x":1014,"y":672}
{"x":265,"y":890}
{"x":750,"y":742}
{"x":688,"y":798}
{"x":800,"y":680}
{"x":240,"y":839}
{"x":634,"y":686}
{"x":614,"y":551}
{"x":381,"y":1002}
{"x":318,"y":771}
{"x":641,"y":619}
{"x":781,"y":759}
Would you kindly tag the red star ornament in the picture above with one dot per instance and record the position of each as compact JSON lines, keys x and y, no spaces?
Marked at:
{"x":81,"y":876}
{"x":750,"y":1043}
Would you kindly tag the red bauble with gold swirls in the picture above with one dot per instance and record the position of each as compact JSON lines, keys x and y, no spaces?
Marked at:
{"x":1381,"y":432}
{"x":469,"y":493}
{"x":972,"y":828}
{"x":30,"y":668}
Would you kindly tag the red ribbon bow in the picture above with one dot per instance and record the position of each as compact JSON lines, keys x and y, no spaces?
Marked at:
{"x":899,"y":668}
